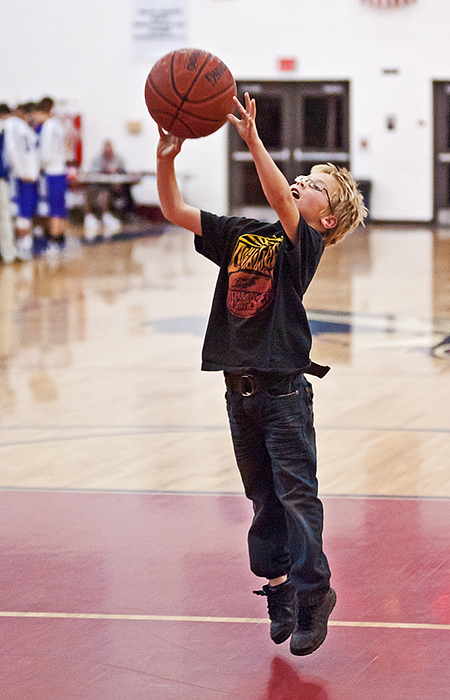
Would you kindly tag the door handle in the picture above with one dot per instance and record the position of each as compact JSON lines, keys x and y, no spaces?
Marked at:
{"x":283,"y":155}
{"x":300,"y":155}
{"x":242,"y":156}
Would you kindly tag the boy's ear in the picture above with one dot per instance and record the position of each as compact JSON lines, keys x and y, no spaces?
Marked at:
{"x":329,"y":222}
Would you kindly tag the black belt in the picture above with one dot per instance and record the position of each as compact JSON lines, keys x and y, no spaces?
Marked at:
{"x":249,"y":383}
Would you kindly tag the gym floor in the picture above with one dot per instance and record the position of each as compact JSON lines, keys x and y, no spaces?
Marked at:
{"x":123,"y":524}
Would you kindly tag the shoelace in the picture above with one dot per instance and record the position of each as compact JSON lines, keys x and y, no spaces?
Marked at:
{"x":305,"y":616}
{"x":276,"y":603}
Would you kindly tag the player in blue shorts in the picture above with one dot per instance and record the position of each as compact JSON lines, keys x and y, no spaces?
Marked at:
{"x":22,"y":157}
{"x":7,"y":238}
{"x":52,"y":154}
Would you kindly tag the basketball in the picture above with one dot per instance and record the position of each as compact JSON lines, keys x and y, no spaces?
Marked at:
{"x":189,"y":93}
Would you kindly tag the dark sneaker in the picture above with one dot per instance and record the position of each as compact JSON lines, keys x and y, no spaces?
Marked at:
{"x":311,"y":628}
{"x":282,"y":607}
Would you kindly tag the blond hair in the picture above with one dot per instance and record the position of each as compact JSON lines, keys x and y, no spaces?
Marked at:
{"x":347,"y":202}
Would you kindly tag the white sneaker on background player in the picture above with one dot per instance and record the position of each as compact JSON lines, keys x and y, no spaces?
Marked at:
{"x":91,"y":227}
{"x":24,"y":246}
{"x":111,"y":225}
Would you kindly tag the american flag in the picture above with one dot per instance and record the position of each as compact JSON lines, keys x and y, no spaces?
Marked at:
{"x":389,"y":3}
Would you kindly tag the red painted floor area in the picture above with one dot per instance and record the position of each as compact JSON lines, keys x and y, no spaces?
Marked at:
{"x":185,"y":555}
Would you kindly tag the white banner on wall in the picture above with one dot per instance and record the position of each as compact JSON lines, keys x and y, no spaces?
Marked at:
{"x":158,"y":26}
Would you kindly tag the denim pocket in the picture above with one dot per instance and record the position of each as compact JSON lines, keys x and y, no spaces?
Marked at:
{"x":309,"y":397}
{"x":283,"y":396}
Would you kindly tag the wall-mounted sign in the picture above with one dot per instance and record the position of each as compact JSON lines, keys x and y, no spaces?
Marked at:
{"x":287,"y":64}
{"x":389,"y":3}
{"x":158,"y":26}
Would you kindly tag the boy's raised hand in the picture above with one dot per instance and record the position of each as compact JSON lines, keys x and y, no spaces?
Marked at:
{"x":169,"y":145}
{"x":246,"y":126}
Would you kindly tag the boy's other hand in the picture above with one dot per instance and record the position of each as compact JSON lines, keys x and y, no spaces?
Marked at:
{"x":169,"y":145}
{"x":246,"y":126}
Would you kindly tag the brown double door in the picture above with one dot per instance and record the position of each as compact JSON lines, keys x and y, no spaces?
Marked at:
{"x":300,"y":123}
{"x":442,"y":152}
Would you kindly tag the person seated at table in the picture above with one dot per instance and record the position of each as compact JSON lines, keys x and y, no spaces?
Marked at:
{"x":107,"y":203}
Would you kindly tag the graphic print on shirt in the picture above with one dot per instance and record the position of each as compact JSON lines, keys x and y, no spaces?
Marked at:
{"x":250,"y":274}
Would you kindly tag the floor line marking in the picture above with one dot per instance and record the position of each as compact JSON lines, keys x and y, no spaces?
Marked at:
{"x":230,"y":620}
{"x":240,"y":494}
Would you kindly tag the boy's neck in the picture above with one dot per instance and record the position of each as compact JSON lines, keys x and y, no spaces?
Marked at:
{"x":315,"y":223}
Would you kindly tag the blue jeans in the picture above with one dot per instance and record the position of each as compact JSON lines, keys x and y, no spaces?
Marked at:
{"x":275,"y":447}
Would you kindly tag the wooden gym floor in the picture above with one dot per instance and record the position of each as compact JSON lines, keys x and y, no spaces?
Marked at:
{"x":124,"y":569}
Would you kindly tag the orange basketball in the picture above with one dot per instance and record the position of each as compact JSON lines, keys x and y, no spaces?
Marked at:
{"x":189,"y":93}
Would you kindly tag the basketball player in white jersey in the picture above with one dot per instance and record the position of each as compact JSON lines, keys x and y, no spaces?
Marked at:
{"x":22,"y":157}
{"x":7,"y":238}
{"x":52,"y":156}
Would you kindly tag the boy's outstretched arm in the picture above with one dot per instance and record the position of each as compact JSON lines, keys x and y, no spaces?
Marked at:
{"x":172,"y":203}
{"x":275,"y":186}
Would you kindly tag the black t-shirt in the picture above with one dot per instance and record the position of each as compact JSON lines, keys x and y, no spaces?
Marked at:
{"x":257,"y":319}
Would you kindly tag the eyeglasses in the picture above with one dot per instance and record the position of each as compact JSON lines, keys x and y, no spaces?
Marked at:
{"x":318,"y":186}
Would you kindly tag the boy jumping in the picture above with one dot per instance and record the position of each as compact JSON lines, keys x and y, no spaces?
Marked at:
{"x":258,"y":335}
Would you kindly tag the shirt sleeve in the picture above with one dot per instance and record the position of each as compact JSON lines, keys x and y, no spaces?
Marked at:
{"x":216,"y":232}
{"x":304,"y":257}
